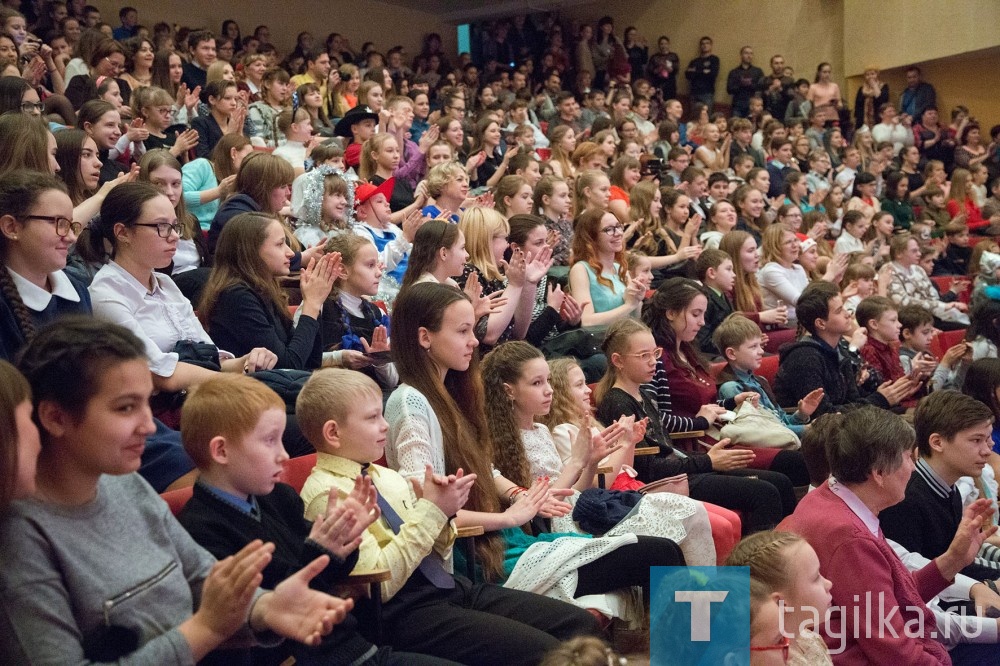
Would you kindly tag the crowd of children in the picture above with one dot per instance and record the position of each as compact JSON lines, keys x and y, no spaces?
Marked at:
{"x":604,"y":335}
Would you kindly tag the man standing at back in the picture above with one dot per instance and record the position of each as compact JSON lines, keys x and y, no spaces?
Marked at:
{"x":918,"y":95}
{"x":776,"y":88}
{"x":701,"y":74}
{"x":742,"y":82}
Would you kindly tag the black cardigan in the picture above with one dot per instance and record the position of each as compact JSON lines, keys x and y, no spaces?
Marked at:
{"x":12,"y":337}
{"x":667,"y":462}
{"x":242,"y":320}
{"x":926,"y":520}
{"x":223,"y":530}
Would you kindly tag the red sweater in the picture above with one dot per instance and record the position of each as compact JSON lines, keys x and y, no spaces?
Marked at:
{"x":859,"y":564}
{"x":973,"y":216}
{"x":884,"y":358}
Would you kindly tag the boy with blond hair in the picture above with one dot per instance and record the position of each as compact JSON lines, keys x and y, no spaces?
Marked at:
{"x":231,"y":426}
{"x":740,"y":341}
{"x":427,"y":609}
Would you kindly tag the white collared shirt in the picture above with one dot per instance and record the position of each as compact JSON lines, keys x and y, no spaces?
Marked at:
{"x":38,"y":299}
{"x":855,"y":504}
{"x":159,"y":317}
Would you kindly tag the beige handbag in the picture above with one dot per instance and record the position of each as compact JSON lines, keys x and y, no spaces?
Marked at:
{"x":758,"y":427}
{"x":677,"y":484}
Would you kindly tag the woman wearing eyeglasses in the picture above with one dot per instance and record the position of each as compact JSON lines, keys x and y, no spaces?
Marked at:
{"x":36,"y":230}
{"x":138,"y":233}
{"x":599,"y":279}
{"x":108,"y":59}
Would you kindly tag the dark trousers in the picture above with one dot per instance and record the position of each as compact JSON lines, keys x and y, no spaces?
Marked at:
{"x":481,"y":623}
{"x":762,"y":496}
{"x":628,"y":566}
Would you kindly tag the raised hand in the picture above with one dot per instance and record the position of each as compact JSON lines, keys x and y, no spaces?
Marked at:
{"x":428,"y":138}
{"x":137,"y":131}
{"x":976,"y":527}
{"x":447,"y":493}
{"x":537,"y":265}
{"x":380,"y":341}
{"x":515,"y":269}
{"x":316,"y":280}
{"x":809,"y":404}
{"x":572,"y":311}
{"x":555,"y":296}
{"x":187,"y":140}
{"x":295,"y":611}
{"x":192,"y":98}
{"x":635,"y":292}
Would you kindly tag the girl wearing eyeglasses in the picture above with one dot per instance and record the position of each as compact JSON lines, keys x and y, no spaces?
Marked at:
{"x":599,"y":279}
{"x":138,"y":234}
{"x":718,"y":475}
{"x":36,"y":231}
{"x":787,"y":565}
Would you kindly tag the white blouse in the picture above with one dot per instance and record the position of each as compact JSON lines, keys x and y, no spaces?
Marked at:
{"x":159,"y":317}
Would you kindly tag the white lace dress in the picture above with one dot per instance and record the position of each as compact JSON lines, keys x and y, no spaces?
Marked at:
{"x":668,"y":515}
{"x":415,"y":440}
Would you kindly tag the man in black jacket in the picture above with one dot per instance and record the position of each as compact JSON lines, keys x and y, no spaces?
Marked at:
{"x":742,"y":82}
{"x":701,"y":74}
{"x":953,"y":439}
{"x":816,"y":360}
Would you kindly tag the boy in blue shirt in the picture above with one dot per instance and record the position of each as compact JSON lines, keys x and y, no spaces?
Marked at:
{"x":739,"y":341}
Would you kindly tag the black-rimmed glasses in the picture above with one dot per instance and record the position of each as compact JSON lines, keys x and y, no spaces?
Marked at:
{"x":63,"y":224}
{"x":163,"y":229}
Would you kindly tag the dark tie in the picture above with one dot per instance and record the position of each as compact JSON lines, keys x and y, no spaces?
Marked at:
{"x":432,"y":566}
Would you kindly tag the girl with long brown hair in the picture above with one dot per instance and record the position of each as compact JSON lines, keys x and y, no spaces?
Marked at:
{"x":437,"y":418}
{"x":746,"y":296}
{"x":518,"y":394}
{"x":244,"y":307}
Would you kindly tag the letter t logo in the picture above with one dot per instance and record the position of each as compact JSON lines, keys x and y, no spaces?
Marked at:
{"x":701,"y":611}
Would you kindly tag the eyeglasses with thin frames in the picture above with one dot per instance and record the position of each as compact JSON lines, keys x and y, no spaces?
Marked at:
{"x":63,"y":224}
{"x":648,"y":356}
{"x":163,"y":229}
{"x":613,"y":231}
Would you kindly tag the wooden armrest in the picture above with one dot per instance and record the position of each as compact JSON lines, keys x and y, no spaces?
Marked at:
{"x":605,"y":469}
{"x":690,"y":434}
{"x":470,"y":531}
{"x":647,"y":451}
{"x":368,"y":577}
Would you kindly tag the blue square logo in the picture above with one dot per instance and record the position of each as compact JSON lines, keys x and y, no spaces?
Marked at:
{"x":699,"y":615}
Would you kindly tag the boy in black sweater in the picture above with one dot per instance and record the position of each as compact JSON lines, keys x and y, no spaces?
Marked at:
{"x":231,"y":427}
{"x":953,"y":440}
{"x":714,"y":269}
{"x":819,"y":359}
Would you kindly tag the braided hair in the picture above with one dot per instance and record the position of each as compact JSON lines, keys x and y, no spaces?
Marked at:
{"x":19,"y":192}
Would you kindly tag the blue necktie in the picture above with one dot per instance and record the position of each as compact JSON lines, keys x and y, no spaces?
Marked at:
{"x":432,"y":566}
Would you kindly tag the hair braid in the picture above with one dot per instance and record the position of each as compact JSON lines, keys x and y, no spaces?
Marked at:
{"x":21,"y":311}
